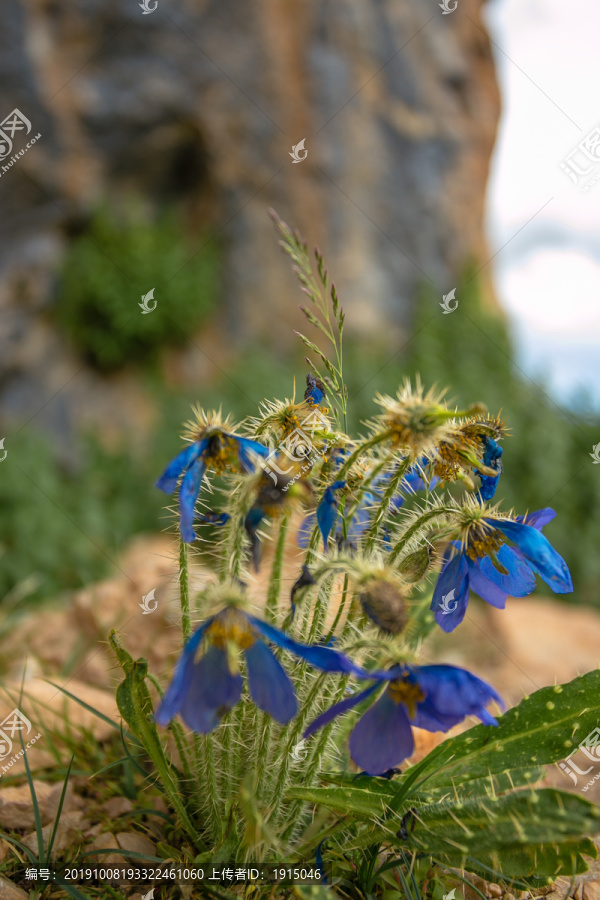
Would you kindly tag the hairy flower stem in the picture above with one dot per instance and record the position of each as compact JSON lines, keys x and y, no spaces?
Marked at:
{"x":208,"y":780}
{"x":366,"y":445}
{"x":416,"y":527}
{"x":314,"y":760}
{"x":391,"y":491}
{"x":184,"y":592}
{"x":274,"y":589}
{"x":283,"y":756}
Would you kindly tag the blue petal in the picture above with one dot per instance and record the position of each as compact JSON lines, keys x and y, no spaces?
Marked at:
{"x":382,"y":737}
{"x":246,"y":448}
{"x":451,"y":694}
{"x":327,"y":510}
{"x":539,"y":552}
{"x":175,"y":693}
{"x":188,"y":494}
{"x":519,"y":582}
{"x":270,"y":687}
{"x":338,"y":708}
{"x":538,"y":519}
{"x":325,"y":658}
{"x":451,"y":594}
{"x":168,"y":480}
{"x":488,"y":486}
{"x":212,"y":691}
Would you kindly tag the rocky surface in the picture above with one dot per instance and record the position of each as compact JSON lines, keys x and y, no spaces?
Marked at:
{"x":199,"y":106}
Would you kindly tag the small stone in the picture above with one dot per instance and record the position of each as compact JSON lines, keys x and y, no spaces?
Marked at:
{"x":591,"y":891}
{"x":107,"y":841}
{"x":578,"y":894}
{"x":494,"y":890}
{"x":10,"y":891}
{"x":133,"y":842}
{"x":117,"y":806}
{"x":69,"y":831}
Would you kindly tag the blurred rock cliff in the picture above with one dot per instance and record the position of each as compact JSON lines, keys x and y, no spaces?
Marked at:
{"x":197,"y":106}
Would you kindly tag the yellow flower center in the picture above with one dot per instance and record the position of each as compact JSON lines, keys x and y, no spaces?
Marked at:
{"x":401,"y":690}
{"x":231,"y":627}
{"x":221,"y":453}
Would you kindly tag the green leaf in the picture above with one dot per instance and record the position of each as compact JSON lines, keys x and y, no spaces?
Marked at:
{"x":135,"y":705}
{"x":524,"y":833}
{"x":364,"y":802}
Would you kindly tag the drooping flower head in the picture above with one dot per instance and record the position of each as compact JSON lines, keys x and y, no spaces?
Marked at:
{"x":496,"y":557}
{"x":213,"y":445}
{"x":431,"y":697}
{"x":271,"y":499}
{"x":207,"y":681}
{"x":472,"y":448}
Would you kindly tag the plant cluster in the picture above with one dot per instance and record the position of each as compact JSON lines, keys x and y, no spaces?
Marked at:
{"x":300,"y":712}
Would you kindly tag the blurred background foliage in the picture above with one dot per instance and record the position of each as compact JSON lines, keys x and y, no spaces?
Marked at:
{"x":119,"y":255}
{"x":108,"y":495}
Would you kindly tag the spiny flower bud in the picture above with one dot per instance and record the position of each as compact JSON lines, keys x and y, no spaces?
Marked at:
{"x":383,"y":603}
{"x":413,"y":567}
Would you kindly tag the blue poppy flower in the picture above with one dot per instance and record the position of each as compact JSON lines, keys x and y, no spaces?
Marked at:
{"x":203,"y":689}
{"x":431,"y":697}
{"x":315,"y":390}
{"x":327,"y":510}
{"x":219,"y":451}
{"x":508,"y":572}
{"x":491,"y":458}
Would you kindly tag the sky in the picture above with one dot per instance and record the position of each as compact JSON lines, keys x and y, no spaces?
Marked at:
{"x":543,"y":224}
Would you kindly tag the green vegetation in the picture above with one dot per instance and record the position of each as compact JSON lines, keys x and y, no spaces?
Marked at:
{"x":111,"y":266}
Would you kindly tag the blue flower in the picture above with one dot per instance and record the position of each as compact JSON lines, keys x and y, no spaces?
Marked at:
{"x":327,"y":510}
{"x":203,"y":689}
{"x":432,"y":697}
{"x":495,"y":570}
{"x":315,"y":390}
{"x":491,"y":458}
{"x":219,"y":451}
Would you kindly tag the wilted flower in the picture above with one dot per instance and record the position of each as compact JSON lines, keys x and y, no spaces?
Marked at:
{"x":213,"y":446}
{"x":204,"y":688}
{"x":495,"y":570}
{"x":472,"y":448}
{"x":431,"y":697}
